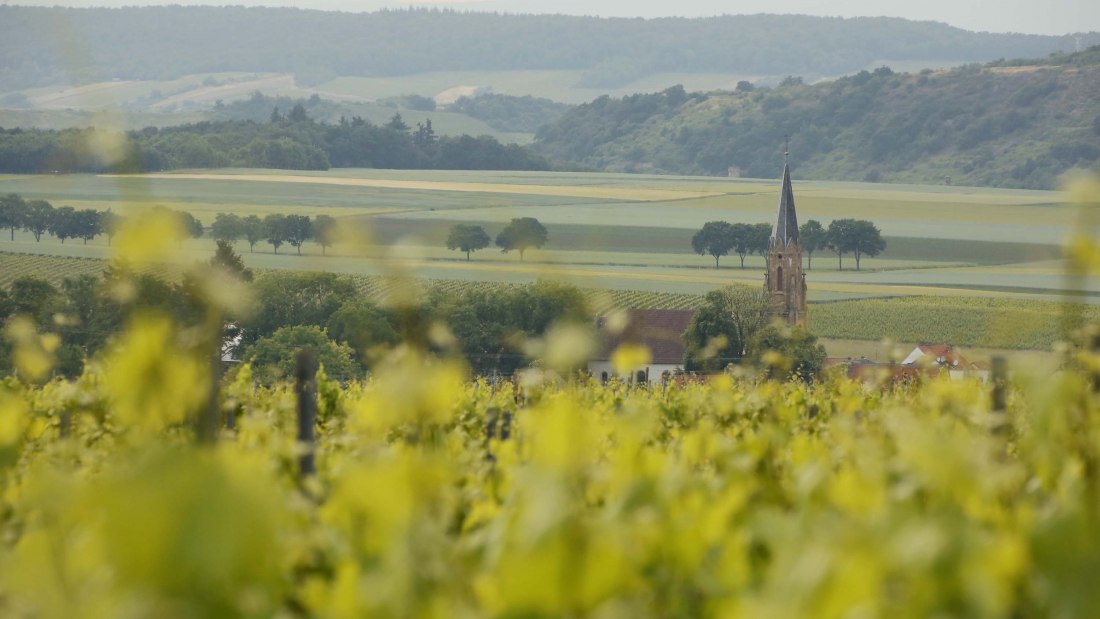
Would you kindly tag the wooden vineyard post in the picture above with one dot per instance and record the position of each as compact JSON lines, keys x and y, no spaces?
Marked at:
{"x":305,"y":388}
{"x":998,"y":378}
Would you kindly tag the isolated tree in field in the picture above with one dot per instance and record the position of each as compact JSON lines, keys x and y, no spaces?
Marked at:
{"x":836,"y":238}
{"x":467,"y":238}
{"x":811,"y":236}
{"x":87,"y":224}
{"x":227,"y":227}
{"x":324,"y":232}
{"x":275,"y":230}
{"x":13,"y":210}
{"x":716,"y":238}
{"x":63,"y":223}
{"x":37,"y":221}
{"x":522,"y":234}
{"x":860,"y":237}
{"x":254,"y":231}
{"x":298,"y":230}
{"x":865,"y":240}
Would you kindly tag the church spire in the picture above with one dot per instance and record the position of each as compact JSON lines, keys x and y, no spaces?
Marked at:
{"x":785,"y":282}
{"x":786,"y":223}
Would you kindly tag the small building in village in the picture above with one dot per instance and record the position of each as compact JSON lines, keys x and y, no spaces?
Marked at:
{"x":659,"y":330}
{"x":925,"y":361}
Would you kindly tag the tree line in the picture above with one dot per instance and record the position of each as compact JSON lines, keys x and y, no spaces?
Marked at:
{"x":40,"y":218}
{"x":291,"y":310}
{"x":843,"y":236}
{"x":289,"y":140}
{"x":487,"y":327}
{"x":521,"y":234}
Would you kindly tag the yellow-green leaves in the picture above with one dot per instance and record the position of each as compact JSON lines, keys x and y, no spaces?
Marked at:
{"x":150,"y":382}
{"x":628,"y":358}
{"x":33,"y":352}
{"x":440,"y":497}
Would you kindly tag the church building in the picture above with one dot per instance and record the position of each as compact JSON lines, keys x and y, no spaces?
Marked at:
{"x":784,"y":280}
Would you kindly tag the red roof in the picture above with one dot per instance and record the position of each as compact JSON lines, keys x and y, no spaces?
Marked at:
{"x":947,"y":352}
{"x":661,"y":330}
{"x":888,"y":372}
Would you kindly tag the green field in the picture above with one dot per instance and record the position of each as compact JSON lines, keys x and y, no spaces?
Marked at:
{"x":611,"y":231}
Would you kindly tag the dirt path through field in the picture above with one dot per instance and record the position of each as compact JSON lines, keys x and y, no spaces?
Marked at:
{"x":632,"y":194}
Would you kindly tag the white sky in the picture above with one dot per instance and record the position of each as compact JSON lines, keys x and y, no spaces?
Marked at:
{"x":1030,"y":16}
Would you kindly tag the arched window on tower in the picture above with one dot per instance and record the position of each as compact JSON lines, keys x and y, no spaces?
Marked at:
{"x":779,"y":279}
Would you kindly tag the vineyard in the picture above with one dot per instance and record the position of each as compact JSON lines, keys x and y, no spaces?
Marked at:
{"x":55,"y":269}
{"x":420,"y":494}
{"x":990,"y":322}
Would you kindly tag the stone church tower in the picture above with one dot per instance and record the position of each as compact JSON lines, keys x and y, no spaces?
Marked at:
{"x":784,"y":281}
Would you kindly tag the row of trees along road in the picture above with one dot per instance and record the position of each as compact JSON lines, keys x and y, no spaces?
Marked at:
{"x":276,"y":230}
{"x":858,"y":237}
{"x":521,"y":234}
{"x":39,"y":217}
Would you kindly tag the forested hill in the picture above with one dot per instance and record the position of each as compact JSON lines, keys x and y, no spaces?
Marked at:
{"x":42,"y":46}
{"x":1005,"y":125}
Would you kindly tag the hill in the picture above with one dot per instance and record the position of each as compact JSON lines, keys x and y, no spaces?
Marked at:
{"x":46,"y":46}
{"x":1008,"y":124}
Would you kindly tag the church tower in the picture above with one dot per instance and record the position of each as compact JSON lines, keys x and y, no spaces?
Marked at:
{"x":784,"y":281}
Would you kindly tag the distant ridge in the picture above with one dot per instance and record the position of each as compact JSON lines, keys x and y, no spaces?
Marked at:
{"x":1006,"y":124}
{"x":47,"y":46}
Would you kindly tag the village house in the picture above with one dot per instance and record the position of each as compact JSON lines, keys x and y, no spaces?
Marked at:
{"x":659,"y":330}
{"x":926,"y":360}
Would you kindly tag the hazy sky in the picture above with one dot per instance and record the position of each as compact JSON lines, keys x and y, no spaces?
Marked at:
{"x":1031,"y":16}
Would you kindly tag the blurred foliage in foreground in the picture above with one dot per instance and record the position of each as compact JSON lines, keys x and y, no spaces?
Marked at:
{"x":438,"y":497}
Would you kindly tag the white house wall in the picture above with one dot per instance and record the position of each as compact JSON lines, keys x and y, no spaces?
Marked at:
{"x":653,"y":370}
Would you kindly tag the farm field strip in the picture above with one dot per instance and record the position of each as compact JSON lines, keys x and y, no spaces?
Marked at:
{"x":379,"y":247}
{"x":824,"y":285}
{"x":601,"y":201}
{"x":603,"y":193}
